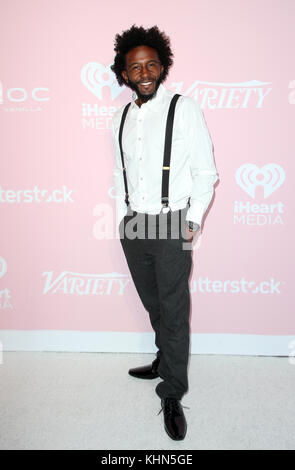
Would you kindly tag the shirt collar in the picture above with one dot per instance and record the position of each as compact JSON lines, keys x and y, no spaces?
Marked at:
{"x":155,"y":102}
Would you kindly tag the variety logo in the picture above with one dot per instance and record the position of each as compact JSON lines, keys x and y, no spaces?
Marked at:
{"x":219,"y":95}
{"x":37,"y":95}
{"x":85,"y":284}
{"x":5,"y":295}
{"x":249,"y":177}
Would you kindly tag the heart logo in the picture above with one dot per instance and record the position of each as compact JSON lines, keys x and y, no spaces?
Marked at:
{"x":96,"y":76}
{"x":270,"y":176}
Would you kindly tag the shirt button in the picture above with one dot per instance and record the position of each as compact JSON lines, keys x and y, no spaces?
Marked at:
{"x":139,"y":138}
{"x":142,"y":197}
{"x":141,"y":178}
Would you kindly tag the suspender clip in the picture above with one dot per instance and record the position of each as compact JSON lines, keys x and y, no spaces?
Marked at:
{"x":165,"y":204}
{"x":165,"y":201}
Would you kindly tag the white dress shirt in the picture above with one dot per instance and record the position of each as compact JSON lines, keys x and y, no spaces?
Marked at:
{"x":192,"y":169}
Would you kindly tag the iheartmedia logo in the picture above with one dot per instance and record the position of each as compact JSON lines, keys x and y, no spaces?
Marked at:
{"x":70,"y":283}
{"x":221,"y":95}
{"x":102,"y":83}
{"x":249,"y":178}
{"x":12,"y":196}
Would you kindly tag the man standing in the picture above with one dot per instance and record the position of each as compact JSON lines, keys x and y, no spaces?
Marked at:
{"x":150,"y":191}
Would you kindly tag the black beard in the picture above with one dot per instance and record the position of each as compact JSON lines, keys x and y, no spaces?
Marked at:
{"x":144,"y":98}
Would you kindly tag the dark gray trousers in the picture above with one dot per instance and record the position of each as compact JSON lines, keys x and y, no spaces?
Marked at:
{"x":159,"y":260}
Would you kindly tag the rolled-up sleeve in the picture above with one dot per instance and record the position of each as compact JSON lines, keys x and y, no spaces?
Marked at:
{"x":121,"y":207}
{"x":203,"y":170}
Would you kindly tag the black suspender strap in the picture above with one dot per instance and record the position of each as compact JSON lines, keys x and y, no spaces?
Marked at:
{"x":167,"y":152}
{"x":121,"y":150}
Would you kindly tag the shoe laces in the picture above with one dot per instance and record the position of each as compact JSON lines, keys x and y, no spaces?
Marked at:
{"x":172,"y":405}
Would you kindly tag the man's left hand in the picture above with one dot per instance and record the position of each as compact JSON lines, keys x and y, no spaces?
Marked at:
{"x":189,"y":235}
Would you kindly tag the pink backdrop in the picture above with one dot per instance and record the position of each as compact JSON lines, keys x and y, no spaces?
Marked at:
{"x":57,"y":97}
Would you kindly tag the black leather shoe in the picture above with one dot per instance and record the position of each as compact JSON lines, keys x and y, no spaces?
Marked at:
{"x":174,"y":419}
{"x":146,"y":372}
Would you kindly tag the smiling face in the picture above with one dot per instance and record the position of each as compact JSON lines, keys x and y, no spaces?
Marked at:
{"x":143,"y":72}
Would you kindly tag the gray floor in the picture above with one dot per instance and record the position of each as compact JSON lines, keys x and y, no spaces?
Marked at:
{"x":88,"y":401}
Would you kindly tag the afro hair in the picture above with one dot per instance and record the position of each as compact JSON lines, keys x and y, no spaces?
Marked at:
{"x":139,"y":36}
